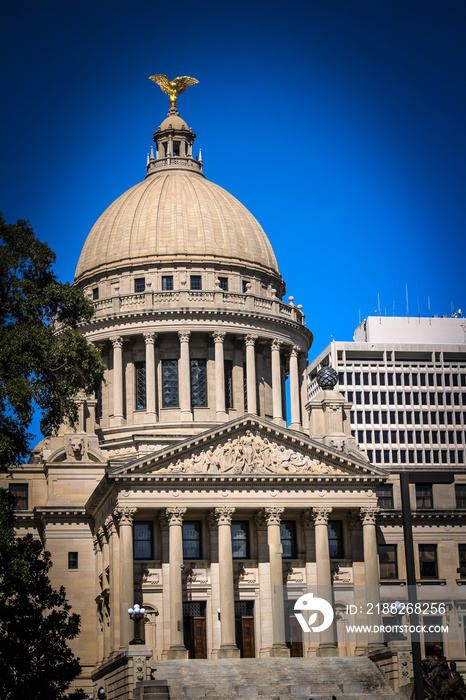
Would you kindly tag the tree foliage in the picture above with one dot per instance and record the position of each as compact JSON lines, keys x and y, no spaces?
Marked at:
{"x":44,"y":360}
{"x":35,"y":619}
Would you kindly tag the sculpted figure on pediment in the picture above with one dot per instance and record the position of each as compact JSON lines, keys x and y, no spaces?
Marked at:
{"x":251,"y":453}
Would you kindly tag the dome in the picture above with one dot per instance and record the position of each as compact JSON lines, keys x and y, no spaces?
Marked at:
{"x":179,"y":217}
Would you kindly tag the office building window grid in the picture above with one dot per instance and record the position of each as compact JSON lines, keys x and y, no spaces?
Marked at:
{"x":407,"y":409}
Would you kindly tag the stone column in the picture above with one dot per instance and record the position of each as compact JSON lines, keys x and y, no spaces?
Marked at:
{"x":276,"y":382}
{"x":125,"y":517}
{"x":221,"y":414}
{"x":272,"y":516}
{"x":103,"y":537}
{"x":371,"y":572}
{"x":228,"y":648}
{"x":294,"y":390}
{"x":175,"y":556}
{"x":149,"y":339}
{"x":327,"y":644}
{"x":114,"y":583}
{"x":117,"y":343}
{"x":99,"y":598}
{"x":302,"y":362}
{"x":251,"y":374}
{"x":185,"y":376}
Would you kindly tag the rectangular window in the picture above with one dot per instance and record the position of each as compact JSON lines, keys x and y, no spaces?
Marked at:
{"x":460,"y":494}
{"x":385,"y":496}
{"x":192,"y":530}
{"x":288,"y":538}
{"x":462,"y":560}
{"x":428,"y":560}
{"x":72,"y":560}
{"x":139,"y":285}
{"x":388,"y":561}
{"x":245,"y":286}
{"x":198,"y":383}
{"x":433,"y":640}
{"x":335,"y":539}
{"x":196,"y":282}
{"x":140,"y":384}
{"x":95,"y":293}
{"x":167,"y":283}
{"x":170,"y":384}
{"x":20,"y":491}
{"x":142,"y":540}
{"x":228,"y":368}
{"x":223,"y":283}
{"x":240,"y":539}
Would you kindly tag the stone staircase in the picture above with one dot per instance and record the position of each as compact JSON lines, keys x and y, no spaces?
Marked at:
{"x":345,"y":678}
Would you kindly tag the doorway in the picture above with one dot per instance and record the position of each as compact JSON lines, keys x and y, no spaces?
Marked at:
{"x":244,"y":623}
{"x":194,"y":629}
{"x":293,"y":631}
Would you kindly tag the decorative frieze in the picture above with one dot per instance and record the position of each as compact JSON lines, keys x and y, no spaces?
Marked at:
{"x":250,"y":453}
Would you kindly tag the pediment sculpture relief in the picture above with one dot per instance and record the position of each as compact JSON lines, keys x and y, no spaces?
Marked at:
{"x":250,"y":453}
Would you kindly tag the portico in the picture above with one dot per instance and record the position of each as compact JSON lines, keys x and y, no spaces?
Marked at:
{"x":255,"y":547}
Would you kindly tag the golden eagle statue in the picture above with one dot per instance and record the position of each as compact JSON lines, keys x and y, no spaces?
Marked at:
{"x":174,"y":87}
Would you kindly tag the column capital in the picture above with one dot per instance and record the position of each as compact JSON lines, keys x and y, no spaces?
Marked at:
{"x":276,"y":344}
{"x":369,"y":515}
{"x":110,"y":526}
{"x":101,"y":535}
{"x":307,"y":519}
{"x":184,"y":336}
{"x":117,"y":341}
{"x":149,"y":337}
{"x":295,"y":351}
{"x":250,"y":339}
{"x":273,"y":515}
{"x":125,"y":515}
{"x":218,"y":336}
{"x":175,"y":515}
{"x":223,"y":515}
{"x":321,"y":515}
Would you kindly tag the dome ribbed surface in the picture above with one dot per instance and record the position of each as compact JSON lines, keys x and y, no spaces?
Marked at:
{"x":175,"y":216}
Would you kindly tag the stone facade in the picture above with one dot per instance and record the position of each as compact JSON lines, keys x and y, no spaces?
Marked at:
{"x":182,"y":489}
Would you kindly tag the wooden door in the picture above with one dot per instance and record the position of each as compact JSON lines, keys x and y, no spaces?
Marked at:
{"x":296,"y":639}
{"x":199,"y":645}
{"x":247,"y":633}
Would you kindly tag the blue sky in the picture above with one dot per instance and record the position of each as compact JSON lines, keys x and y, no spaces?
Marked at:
{"x":340,"y":124}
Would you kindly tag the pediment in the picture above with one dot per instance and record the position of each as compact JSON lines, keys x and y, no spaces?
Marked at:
{"x":249,"y":447}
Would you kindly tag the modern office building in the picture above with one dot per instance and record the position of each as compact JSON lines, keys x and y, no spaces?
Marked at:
{"x":406,"y":381}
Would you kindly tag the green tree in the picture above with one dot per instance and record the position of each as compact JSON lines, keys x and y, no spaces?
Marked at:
{"x":44,"y":360}
{"x":35,"y":619}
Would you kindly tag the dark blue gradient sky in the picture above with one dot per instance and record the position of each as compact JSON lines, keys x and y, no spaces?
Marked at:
{"x":339,"y":123}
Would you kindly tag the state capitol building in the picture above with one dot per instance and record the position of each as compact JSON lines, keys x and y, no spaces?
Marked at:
{"x":189,"y":486}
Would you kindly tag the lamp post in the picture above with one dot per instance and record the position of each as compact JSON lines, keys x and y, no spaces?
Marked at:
{"x":136,"y":613}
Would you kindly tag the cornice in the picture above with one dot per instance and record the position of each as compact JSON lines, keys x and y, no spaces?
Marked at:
{"x":422,"y":516}
{"x":118,"y":320}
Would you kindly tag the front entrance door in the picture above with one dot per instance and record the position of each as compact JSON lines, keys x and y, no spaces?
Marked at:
{"x":194,"y":629}
{"x":293,"y":632}
{"x":244,"y":620}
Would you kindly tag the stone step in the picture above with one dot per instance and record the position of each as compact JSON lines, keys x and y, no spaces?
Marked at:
{"x":346,"y":678}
